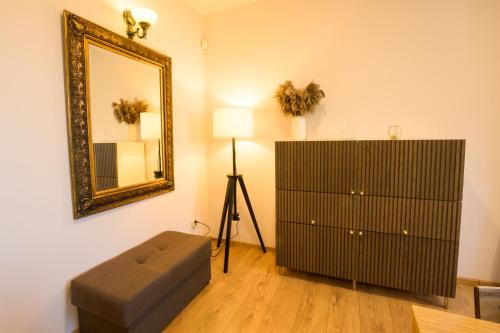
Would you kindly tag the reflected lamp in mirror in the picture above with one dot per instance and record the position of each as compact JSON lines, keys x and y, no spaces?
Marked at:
{"x":151,"y":130}
{"x":130,"y":163}
{"x":143,"y":17}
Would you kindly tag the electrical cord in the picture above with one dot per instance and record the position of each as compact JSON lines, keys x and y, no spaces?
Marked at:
{"x":223,"y":244}
{"x":203,"y":224}
{"x":220,"y":249}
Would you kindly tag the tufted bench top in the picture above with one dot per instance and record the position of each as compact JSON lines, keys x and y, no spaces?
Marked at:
{"x":123,"y":288}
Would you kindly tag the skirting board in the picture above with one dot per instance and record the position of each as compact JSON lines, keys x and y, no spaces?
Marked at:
{"x":269,"y":249}
{"x":476,"y":282}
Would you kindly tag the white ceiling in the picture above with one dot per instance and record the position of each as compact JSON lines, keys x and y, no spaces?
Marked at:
{"x":205,"y":7}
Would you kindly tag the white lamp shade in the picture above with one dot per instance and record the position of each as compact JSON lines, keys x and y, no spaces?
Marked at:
{"x":150,"y":125}
{"x":141,"y":14}
{"x":130,"y":163}
{"x":233,"y":123}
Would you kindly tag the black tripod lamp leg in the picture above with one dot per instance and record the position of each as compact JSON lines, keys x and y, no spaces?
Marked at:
{"x":250,"y":209}
{"x":232,"y":185}
{"x":224,"y":213}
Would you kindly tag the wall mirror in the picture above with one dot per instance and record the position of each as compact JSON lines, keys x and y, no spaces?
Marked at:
{"x":119,"y":113}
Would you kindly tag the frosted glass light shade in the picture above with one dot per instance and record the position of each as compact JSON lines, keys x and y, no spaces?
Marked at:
{"x":233,"y":123}
{"x":150,"y":125}
{"x":141,"y":14}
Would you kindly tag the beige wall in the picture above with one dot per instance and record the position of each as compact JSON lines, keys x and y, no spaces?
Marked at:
{"x":431,"y":66}
{"x":41,"y":247}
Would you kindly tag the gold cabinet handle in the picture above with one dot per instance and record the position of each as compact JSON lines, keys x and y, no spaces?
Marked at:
{"x":361,"y":193}
{"x":351,"y":232}
{"x":360,"y":233}
{"x":352,"y":192}
{"x":405,"y":232}
{"x":313,"y":222}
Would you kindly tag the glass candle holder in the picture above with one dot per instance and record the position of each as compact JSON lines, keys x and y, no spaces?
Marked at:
{"x":394,"y":132}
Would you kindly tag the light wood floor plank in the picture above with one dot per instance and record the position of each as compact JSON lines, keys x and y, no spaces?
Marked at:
{"x":314,"y":307}
{"x":280,"y":314}
{"x":256,"y":300}
{"x":374,"y":313}
{"x":343,"y":314}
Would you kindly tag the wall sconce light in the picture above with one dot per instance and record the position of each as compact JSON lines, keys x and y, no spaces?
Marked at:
{"x":144,"y":16}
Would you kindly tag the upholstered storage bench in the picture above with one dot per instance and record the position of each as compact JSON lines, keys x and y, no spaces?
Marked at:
{"x":144,"y":288}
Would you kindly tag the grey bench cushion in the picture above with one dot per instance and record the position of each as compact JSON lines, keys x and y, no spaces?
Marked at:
{"x":121,"y":289}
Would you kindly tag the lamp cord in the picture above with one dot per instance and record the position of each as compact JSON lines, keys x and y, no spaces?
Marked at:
{"x":203,"y":224}
{"x":223,"y":244}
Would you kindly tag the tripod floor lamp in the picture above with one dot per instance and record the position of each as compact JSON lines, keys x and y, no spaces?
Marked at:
{"x":234,"y":123}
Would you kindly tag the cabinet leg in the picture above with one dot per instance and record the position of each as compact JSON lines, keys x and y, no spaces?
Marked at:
{"x":445,"y":303}
{"x":353,"y":284}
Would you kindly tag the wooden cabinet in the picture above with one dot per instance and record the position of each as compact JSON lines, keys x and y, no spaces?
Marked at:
{"x":380,"y":212}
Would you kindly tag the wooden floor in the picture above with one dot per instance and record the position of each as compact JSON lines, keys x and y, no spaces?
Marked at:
{"x":254,"y":297}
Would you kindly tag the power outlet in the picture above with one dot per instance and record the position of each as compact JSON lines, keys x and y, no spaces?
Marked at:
{"x":193,"y":224}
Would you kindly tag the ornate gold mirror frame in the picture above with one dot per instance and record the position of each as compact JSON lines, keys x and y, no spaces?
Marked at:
{"x":78,"y":32}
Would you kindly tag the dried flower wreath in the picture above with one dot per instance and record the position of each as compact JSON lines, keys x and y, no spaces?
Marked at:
{"x":297,"y":102}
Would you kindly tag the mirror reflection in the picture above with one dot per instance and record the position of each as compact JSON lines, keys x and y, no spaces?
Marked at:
{"x":126,"y":124}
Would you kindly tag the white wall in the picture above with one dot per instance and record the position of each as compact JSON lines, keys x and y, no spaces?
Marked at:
{"x":431,"y":66}
{"x":41,"y":247}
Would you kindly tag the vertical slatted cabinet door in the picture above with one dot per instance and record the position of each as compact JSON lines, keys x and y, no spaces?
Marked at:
{"x":360,"y":165}
{"x":284,"y":169}
{"x":305,"y":247}
{"x":374,"y":174}
{"x":432,"y":266}
{"x":345,"y":167}
{"x":325,"y":209}
{"x":316,"y":249}
{"x":329,"y":166}
{"x":424,"y":169}
{"x":317,"y":166}
{"x":291,"y":243}
{"x":387,"y":168}
{"x":431,"y":219}
{"x":382,"y":250}
{"x":342,"y":250}
{"x":281,"y":256}
{"x":379,"y":259}
{"x":414,"y":217}
{"x":439,"y":172}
